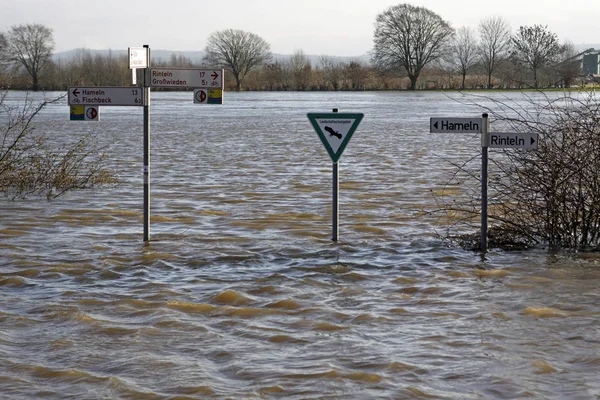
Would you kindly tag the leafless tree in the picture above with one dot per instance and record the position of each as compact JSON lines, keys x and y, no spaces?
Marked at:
{"x":568,"y":67}
{"x":494,"y":44}
{"x":301,"y":70}
{"x":535,"y":47}
{"x":463,"y":56}
{"x":30,"y":46}
{"x":238,"y":51}
{"x":409,"y":38}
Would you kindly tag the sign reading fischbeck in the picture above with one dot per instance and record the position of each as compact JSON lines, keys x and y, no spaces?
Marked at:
{"x":186,"y":77}
{"x":455,"y":125}
{"x":106,"y":96}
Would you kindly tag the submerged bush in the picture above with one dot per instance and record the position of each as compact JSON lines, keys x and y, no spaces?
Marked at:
{"x":547,"y":196}
{"x":31,"y":165}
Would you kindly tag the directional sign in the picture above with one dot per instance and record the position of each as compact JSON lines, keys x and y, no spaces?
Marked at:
{"x":106,"y":96}
{"x":455,"y":125}
{"x":513,"y":140}
{"x":138,"y":57}
{"x":335,"y":130}
{"x":186,"y":77}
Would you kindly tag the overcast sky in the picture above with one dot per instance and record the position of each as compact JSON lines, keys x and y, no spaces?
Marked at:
{"x":331,"y":27}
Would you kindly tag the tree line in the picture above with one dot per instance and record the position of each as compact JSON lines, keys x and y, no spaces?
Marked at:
{"x":413,"y":48}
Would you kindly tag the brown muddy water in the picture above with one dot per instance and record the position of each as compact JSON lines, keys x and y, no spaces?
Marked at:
{"x":241,"y":294}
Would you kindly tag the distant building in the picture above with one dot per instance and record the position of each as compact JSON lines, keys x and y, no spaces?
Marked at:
{"x":591,"y":64}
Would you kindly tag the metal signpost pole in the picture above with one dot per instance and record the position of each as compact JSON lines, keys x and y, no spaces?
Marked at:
{"x":485,"y":143}
{"x":147,"y":147}
{"x":335,"y":204}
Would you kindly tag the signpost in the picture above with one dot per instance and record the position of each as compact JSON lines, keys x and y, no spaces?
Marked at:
{"x":106,"y":96}
{"x":85,"y":101}
{"x":335,"y":130}
{"x":186,"y":77}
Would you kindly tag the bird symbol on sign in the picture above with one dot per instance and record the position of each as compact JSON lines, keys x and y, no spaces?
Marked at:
{"x":332,"y":132}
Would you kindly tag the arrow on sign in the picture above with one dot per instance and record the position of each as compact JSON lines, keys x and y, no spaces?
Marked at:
{"x":76,"y":92}
{"x":214,"y":75}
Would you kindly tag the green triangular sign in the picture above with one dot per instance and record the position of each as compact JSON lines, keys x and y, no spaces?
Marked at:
{"x":335,"y":130}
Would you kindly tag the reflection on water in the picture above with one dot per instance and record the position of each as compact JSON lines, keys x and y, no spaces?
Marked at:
{"x":241,"y":293}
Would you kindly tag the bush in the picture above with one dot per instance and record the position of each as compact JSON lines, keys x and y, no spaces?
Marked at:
{"x":30,"y":165}
{"x":550,"y":195}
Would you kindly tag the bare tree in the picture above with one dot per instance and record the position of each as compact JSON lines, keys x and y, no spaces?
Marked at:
{"x":238,"y":51}
{"x":301,"y":70}
{"x":569,"y":66}
{"x":494,"y":44}
{"x":535,"y":47}
{"x":409,"y":37}
{"x":31,"y":46}
{"x":464,"y":52}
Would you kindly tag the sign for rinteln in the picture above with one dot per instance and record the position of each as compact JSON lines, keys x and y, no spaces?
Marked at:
{"x":455,"y":125}
{"x":512,"y":140}
{"x":106,"y":96}
{"x":186,"y":77}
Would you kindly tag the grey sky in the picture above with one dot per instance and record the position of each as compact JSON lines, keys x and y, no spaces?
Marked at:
{"x":332,"y":27}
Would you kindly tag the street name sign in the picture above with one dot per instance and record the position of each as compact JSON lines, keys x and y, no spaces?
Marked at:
{"x":186,"y":77}
{"x":455,"y":125}
{"x":106,"y":96}
{"x":138,"y":57}
{"x":335,"y":130}
{"x":513,"y":140}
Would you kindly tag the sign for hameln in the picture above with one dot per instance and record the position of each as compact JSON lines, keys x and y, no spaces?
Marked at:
{"x":455,"y":125}
{"x":106,"y":96}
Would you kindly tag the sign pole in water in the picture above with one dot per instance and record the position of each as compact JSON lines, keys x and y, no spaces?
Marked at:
{"x":335,"y":130}
{"x":147,"y":146}
{"x":485,"y":144}
{"x":335,"y":203}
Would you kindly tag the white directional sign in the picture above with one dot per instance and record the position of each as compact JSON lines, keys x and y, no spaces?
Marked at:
{"x":455,"y":125}
{"x":513,"y":140}
{"x":186,"y":77}
{"x":138,"y":57}
{"x":335,"y":130}
{"x":106,"y":96}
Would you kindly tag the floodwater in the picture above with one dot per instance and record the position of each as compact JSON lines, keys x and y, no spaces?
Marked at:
{"x":241,"y":294}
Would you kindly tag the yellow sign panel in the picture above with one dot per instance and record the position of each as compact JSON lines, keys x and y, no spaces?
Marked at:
{"x":77,"y":113}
